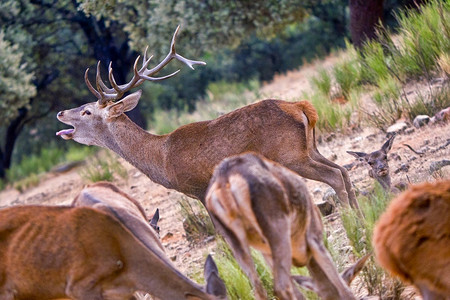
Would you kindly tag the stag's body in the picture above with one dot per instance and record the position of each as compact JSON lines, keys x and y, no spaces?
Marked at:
{"x":81,"y":253}
{"x":256,"y":202}
{"x":184,"y":159}
{"x":412,"y":238}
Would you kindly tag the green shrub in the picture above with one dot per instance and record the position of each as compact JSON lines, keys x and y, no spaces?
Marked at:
{"x":332,"y":116}
{"x":359,"y":232}
{"x":31,"y":180}
{"x":196,"y":222}
{"x":346,"y":74}
{"x":322,"y":82}
{"x":35,"y":164}
{"x":430,"y":104}
{"x":26,"y":173}
{"x":103,"y":168}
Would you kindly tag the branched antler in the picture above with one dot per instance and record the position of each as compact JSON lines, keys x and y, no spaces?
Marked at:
{"x":105,"y":94}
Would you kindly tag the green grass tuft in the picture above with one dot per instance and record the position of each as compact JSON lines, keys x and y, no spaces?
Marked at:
{"x":103,"y":167}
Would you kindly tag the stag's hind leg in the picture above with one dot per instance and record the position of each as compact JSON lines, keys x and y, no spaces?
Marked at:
{"x":315,"y":170}
{"x":317,"y":156}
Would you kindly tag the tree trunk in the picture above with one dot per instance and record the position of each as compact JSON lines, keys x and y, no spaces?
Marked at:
{"x":12,"y":133}
{"x":365,"y":15}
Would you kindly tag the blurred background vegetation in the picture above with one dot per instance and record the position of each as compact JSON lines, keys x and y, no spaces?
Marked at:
{"x":46,"y":45}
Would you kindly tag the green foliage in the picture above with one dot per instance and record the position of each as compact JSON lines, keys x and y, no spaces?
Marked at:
{"x":196,"y":222}
{"x":42,"y":162}
{"x":28,"y":182}
{"x":346,"y":74}
{"x":418,"y":51}
{"x":322,"y":82}
{"x":430,"y":104}
{"x":16,"y":86}
{"x":153,"y":22}
{"x":35,"y":164}
{"x":103,"y":166}
{"x":359,"y":232}
{"x":333,"y":116}
{"x":236,"y":281}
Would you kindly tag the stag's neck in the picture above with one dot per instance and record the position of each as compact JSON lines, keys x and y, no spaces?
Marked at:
{"x":140,"y":148}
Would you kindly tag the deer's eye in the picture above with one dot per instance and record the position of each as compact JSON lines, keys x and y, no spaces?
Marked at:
{"x":86,"y":112}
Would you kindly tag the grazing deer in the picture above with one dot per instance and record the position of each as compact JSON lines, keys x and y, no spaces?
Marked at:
{"x":412,"y":238}
{"x":256,"y":202}
{"x":111,"y":200}
{"x":184,"y":159}
{"x":378,"y":162}
{"x":83,"y":253}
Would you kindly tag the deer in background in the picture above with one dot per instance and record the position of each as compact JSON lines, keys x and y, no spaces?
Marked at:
{"x":378,"y":162}
{"x":412,"y":238}
{"x":84,"y":253}
{"x":259,"y":203}
{"x":184,"y":159}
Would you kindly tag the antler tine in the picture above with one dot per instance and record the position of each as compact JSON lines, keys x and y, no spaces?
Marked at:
{"x":103,"y":86}
{"x":145,"y":56}
{"x":171,"y":55}
{"x":89,"y":85}
{"x":104,"y":92}
{"x":159,"y":78}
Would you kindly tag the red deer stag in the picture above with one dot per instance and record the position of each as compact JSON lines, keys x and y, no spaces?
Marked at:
{"x":412,"y":238}
{"x":256,"y":202}
{"x":83,"y":253}
{"x":184,"y":159}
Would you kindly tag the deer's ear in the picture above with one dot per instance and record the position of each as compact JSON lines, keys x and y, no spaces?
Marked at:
{"x":357,"y":154}
{"x":388,"y":144}
{"x":124,"y":105}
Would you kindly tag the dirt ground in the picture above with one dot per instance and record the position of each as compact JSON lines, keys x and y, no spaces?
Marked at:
{"x":406,"y":166}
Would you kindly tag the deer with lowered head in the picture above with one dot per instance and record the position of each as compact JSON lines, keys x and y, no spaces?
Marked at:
{"x":184,"y":159}
{"x":110,"y":199}
{"x":412,"y":238}
{"x":84,"y":253}
{"x":255,"y":202}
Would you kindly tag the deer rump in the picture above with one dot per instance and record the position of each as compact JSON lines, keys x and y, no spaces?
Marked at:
{"x":256,"y":202}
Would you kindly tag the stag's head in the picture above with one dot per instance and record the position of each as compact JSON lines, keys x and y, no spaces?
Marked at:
{"x":92,"y":118}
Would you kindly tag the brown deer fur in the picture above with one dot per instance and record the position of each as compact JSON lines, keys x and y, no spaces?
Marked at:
{"x":259,"y":203}
{"x":83,"y":253}
{"x":110,"y":199}
{"x":412,"y":238}
{"x":184,"y":159}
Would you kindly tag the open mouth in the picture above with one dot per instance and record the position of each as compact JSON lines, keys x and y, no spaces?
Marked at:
{"x":382,"y":173}
{"x":66,"y":134}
